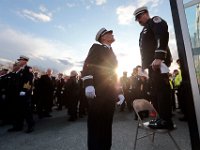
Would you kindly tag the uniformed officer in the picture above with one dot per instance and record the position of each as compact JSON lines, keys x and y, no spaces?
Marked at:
{"x":45,"y":101}
{"x":23,"y":100}
{"x":3,"y":72}
{"x":125,"y":84}
{"x":59,"y":91}
{"x":73,"y":93}
{"x":156,"y":57}
{"x":100,"y":88}
{"x":35,"y":93}
{"x":4,"y":78}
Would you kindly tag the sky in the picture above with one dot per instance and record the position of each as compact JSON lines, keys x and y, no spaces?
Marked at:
{"x":58,"y":34}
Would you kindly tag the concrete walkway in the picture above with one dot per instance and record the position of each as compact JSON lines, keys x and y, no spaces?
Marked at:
{"x":56,"y":133}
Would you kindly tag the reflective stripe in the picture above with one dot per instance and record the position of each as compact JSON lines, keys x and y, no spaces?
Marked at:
{"x":158,"y":43}
{"x":87,"y":77}
{"x":162,"y":51}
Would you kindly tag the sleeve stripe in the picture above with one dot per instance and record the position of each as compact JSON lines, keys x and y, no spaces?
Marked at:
{"x":87,"y":77}
{"x":161,"y":51}
{"x":158,"y":43}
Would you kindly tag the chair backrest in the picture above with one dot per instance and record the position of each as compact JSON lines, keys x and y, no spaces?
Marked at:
{"x":143,"y":105}
{"x":140,"y":106}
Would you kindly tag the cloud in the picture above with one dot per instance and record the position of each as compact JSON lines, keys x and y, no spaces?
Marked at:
{"x":125,"y":14}
{"x":79,"y":64}
{"x":43,"y":8}
{"x":65,"y":62}
{"x":88,"y":7}
{"x":100,"y":2}
{"x":5,"y":63}
{"x":42,"y":52}
{"x":152,"y":3}
{"x":43,"y":16}
{"x":86,"y":3}
{"x":60,"y":27}
{"x":70,"y":5}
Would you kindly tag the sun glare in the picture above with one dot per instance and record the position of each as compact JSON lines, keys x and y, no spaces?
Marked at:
{"x":127,"y":64}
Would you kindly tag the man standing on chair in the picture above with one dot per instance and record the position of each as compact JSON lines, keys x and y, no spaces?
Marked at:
{"x":100,"y":82}
{"x":156,"y":57}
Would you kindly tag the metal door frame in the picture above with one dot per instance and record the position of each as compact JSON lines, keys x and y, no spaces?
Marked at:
{"x":188,"y":47}
{"x":192,"y":95}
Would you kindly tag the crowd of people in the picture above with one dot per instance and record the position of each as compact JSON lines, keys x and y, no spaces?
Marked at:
{"x":62,"y":92}
{"x":24,"y":93}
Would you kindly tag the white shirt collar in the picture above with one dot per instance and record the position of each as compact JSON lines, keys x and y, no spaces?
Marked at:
{"x":108,"y":46}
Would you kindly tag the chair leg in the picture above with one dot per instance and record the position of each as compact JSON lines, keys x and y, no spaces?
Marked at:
{"x":153,"y":137}
{"x":150,"y":134}
{"x":175,"y":143}
{"x":134,"y":148}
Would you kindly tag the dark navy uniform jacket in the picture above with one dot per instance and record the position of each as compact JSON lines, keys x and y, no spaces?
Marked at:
{"x":25,"y":80}
{"x":99,"y":70}
{"x":153,"y":41}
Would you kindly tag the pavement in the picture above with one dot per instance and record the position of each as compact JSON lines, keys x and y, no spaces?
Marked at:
{"x":56,"y":133}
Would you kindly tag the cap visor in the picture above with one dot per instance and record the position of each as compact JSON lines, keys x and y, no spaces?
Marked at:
{"x":110,"y":31}
{"x":22,"y":59}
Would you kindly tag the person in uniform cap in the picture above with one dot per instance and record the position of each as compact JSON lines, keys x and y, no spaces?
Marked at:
{"x":125,"y":84}
{"x":72,"y":90}
{"x":73,"y":73}
{"x":46,"y":95}
{"x":155,"y":53}
{"x":59,"y":91}
{"x":100,"y":81}
{"x":102,"y":32}
{"x":3,"y":71}
{"x":22,"y":57}
{"x":23,"y":110}
{"x":138,"y":12}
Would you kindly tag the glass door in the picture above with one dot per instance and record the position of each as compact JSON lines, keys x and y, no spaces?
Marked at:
{"x":186,"y":17}
{"x":192,"y":12}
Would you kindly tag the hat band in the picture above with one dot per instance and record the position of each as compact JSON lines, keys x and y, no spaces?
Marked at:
{"x":140,"y":12}
{"x":23,"y":59}
{"x":104,"y":31}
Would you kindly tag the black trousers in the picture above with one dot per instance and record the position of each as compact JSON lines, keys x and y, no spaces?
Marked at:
{"x":23,"y":111}
{"x":60,"y":101}
{"x":161,"y":93}
{"x":100,"y":118}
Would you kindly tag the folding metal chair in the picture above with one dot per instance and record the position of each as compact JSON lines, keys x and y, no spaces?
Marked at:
{"x":142,"y":105}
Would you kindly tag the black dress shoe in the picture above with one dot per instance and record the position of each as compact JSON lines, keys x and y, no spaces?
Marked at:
{"x":72,"y":119}
{"x":14,"y":129}
{"x":80,"y":116}
{"x":183,"y":119}
{"x":153,"y":121}
{"x":29,"y":130}
{"x":59,"y":109}
{"x":47,"y":115}
{"x":161,"y":124}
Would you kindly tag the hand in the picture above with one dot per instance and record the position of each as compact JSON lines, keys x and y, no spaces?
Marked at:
{"x":156,"y":64}
{"x":22,"y":93}
{"x":121,"y":99}
{"x":90,"y":92}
